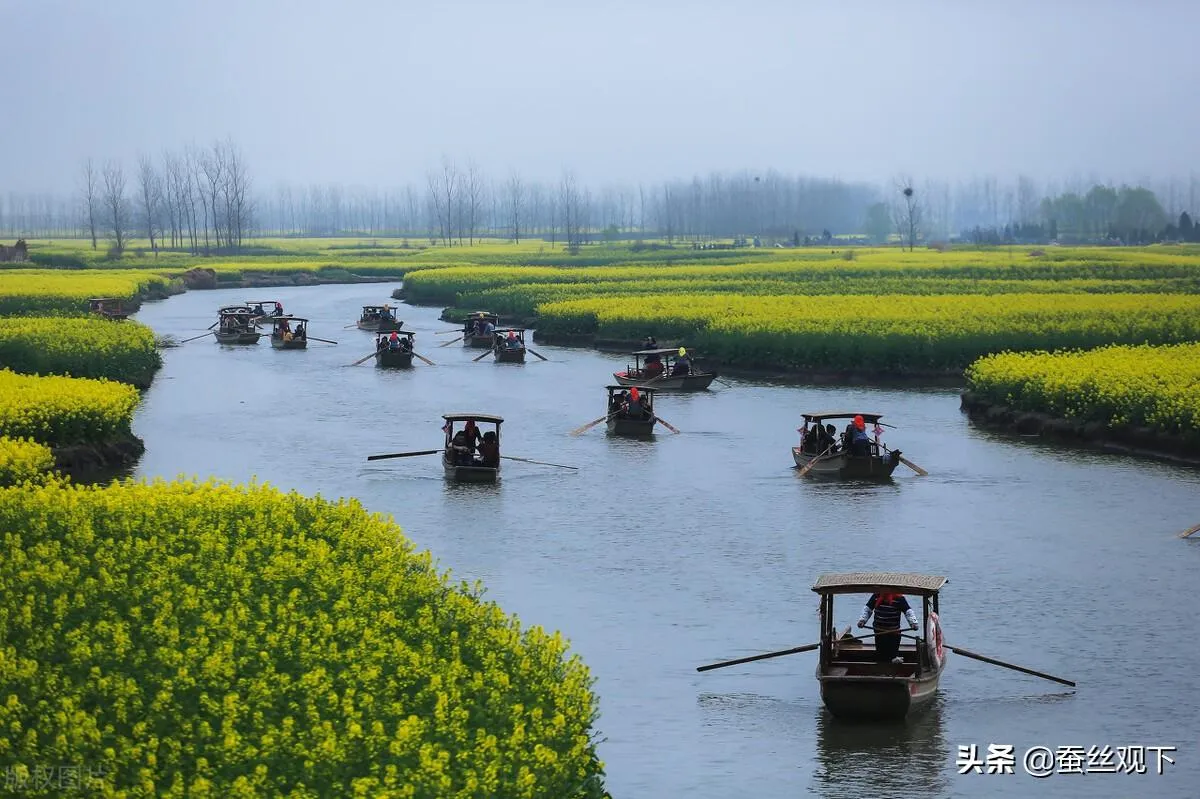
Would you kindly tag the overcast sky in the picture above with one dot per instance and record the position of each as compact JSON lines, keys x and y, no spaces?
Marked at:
{"x":375,"y":92}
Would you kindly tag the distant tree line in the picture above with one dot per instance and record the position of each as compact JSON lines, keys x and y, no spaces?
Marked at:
{"x":201,"y":200}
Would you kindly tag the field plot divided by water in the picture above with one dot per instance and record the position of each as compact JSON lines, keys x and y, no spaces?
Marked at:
{"x":657,"y":557}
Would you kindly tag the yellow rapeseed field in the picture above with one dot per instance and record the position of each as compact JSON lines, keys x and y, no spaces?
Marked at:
{"x":22,"y":459}
{"x":65,"y":410}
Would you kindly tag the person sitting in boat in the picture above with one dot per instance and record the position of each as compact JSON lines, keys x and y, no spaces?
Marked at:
{"x":393,"y":341}
{"x":472,"y":434}
{"x":380,"y":342}
{"x":887,"y":609}
{"x":300,"y":333}
{"x":512,"y":342}
{"x":489,"y":450}
{"x":683,"y":364}
{"x":859,"y":443}
{"x":653,"y":366}
{"x":829,"y":439}
{"x":650,"y":343}
{"x":812,"y":439}
{"x":279,"y":309}
{"x":461,"y":449}
{"x":258,"y":310}
{"x":406,"y":343}
{"x":488,"y":328}
{"x":632,"y":407}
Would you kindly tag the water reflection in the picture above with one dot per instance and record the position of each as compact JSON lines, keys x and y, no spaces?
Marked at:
{"x":905,"y":758}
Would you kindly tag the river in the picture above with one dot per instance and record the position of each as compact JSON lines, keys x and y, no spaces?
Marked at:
{"x":656,"y":557}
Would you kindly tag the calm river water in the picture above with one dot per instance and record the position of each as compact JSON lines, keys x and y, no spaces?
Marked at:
{"x":657,"y":557}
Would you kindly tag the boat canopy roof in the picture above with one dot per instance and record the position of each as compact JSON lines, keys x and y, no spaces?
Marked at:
{"x":397,"y":333}
{"x":377,"y":307}
{"x":664,"y":351}
{"x":105,"y":299}
{"x":871,"y":582}
{"x":509,"y":330}
{"x":867,"y":417}
{"x":641,"y":389}
{"x":289,"y":318}
{"x":472,"y":417}
{"x":263,"y":302}
{"x":483,"y":314}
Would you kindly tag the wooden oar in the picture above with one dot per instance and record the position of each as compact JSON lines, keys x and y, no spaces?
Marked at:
{"x":752,"y":658}
{"x":590,"y":425}
{"x":666,"y":424}
{"x":325,"y":340}
{"x":484,"y":355}
{"x":448,"y":343}
{"x":347,"y":327}
{"x":423,"y":358}
{"x":722,"y":382}
{"x":444,"y":332}
{"x":214,"y":324}
{"x":539,"y":463}
{"x":193,"y":338}
{"x":908,"y":463}
{"x":538,"y":354}
{"x":403,"y":454}
{"x":1189,"y":531}
{"x":968,"y":653}
{"x":360,"y":360}
{"x":813,"y":462}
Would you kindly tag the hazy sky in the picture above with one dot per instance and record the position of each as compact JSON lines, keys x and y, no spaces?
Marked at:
{"x":372,"y":92}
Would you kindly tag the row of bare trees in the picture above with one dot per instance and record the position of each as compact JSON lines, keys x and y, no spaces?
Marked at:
{"x":197,"y":200}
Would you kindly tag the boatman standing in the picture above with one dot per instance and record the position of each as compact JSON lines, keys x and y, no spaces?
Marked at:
{"x":887,"y":609}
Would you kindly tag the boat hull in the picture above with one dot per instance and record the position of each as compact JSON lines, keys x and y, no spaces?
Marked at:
{"x":510,"y":356}
{"x":279,"y":343}
{"x":393,"y":359}
{"x":237,"y":338}
{"x":377,"y":326}
{"x":877,"y":698}
{"x":847,"y":466}
{"x":460,"y":473}
{"x":634,"y":428}
{"x":478,"y":342}
{"x":689,"y":382}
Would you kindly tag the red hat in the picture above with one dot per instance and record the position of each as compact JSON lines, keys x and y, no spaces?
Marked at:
{"x":633,"y":392}
{"x":859,"y":423}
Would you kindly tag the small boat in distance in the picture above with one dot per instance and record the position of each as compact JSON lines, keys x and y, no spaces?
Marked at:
{"x":478,"y":329}
{"x":508,"y":345}
{"x":665,"y":370}
{"x":854,"y":682}
{"x":111,"y":308}
{"x":379,"y":319}
{"x":620,"y":422}
{"x":235,"y":325}
{"x":285,"y":337}
{"x":259,"y":309}
{"x":832,"y":452}
{"x":461,"y":461}
{"x":398,"y":357}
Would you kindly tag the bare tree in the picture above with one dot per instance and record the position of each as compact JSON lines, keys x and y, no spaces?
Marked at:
{"x":115,"y":203}
{"x":235,"y":192}
{"x":443,"y":191}
{"x":568,"y":203}
{"x":516,"y":205}
{"x":90,"y":198}
{"x":906,"y":214}
{"x":150,"y":194}
{"x":212,"y":168}
{"x":474,"y":191}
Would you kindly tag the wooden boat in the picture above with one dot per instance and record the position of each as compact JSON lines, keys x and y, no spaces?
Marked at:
{"x":665,"y":370}
{"x":505,"y":352}
{"x":840,"y":460}
{"x":463,"y":464}
{"x":235,"y":325}
{"x":475,"y":330}
{"x":285,"y":337}
{"x":854,"y":683}
{"x":259,"y":309}
{"x":110,"y":308}
{"x":400,"y":358}
{"x":379,"y":319}
{"x":620,"y":423}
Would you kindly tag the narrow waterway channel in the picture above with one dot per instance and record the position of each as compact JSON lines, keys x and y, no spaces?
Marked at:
{"x":658,"y":556}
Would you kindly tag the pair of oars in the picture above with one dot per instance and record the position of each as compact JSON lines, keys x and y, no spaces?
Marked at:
{"x":956,"y":650}
{"x":436,"y":451}
{"x":491,"y":351}
{"x":592,"y":424}
{"x":376,"y":352}
{"x":1191,"y":530}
